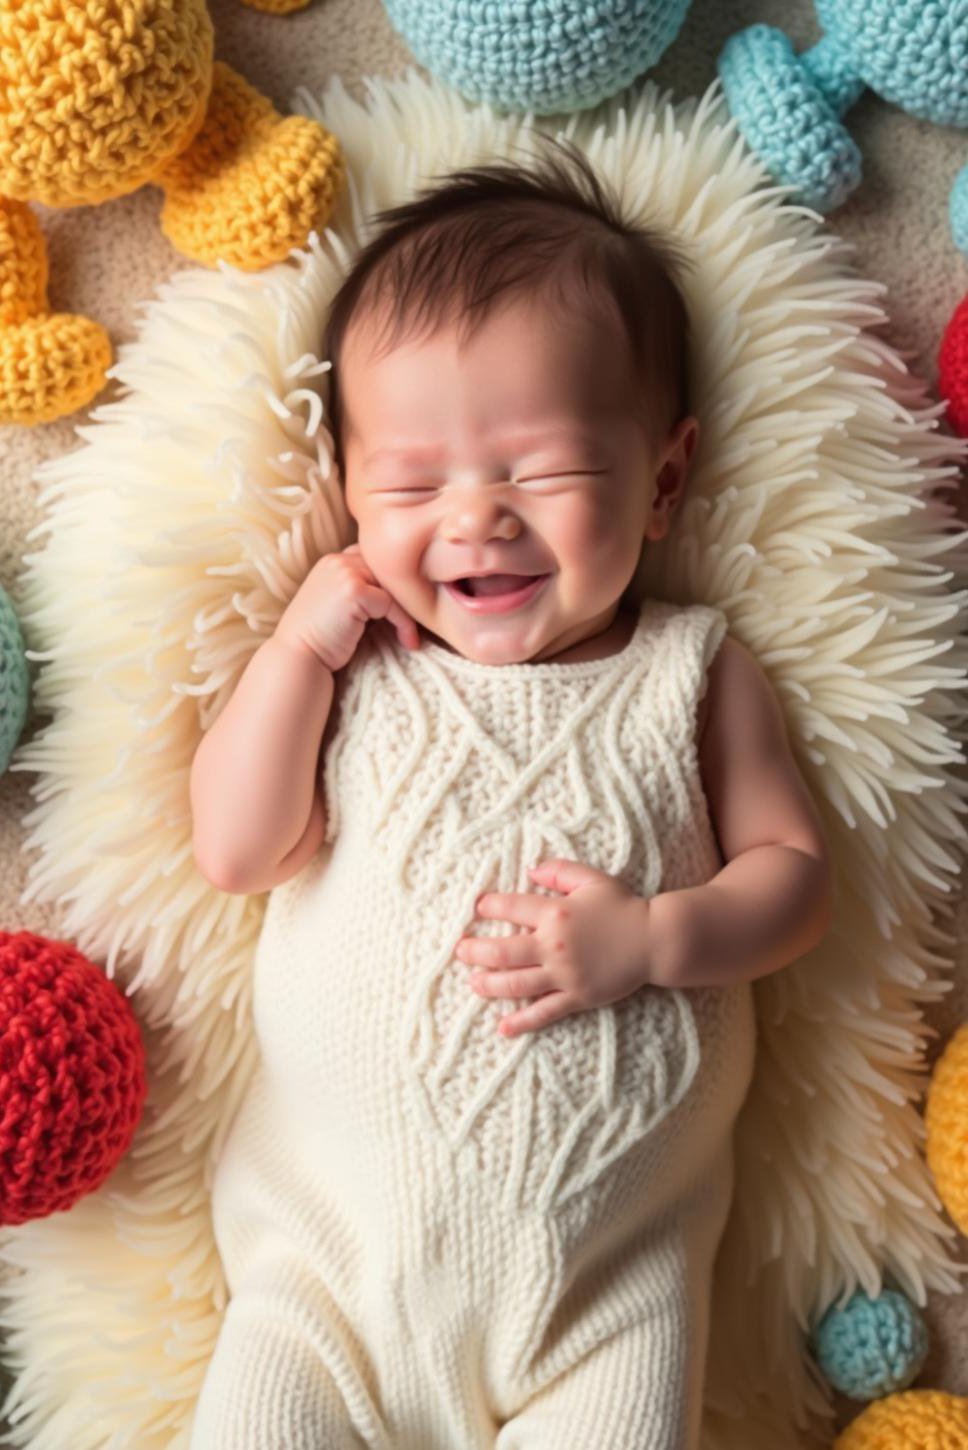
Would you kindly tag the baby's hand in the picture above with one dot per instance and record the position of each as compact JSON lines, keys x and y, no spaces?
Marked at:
{"x":594,"y":948}
{"x":333,"y":605}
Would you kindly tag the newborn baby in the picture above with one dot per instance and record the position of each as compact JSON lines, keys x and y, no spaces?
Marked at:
{"x":528,"y":843}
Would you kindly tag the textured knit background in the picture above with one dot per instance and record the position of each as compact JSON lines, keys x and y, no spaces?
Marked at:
{"x":105,"y":259}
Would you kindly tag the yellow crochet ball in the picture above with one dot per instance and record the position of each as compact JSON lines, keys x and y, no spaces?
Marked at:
{"x":98,"y":96}
{"x":912,"y":1420}
{"x":946,"y":1127}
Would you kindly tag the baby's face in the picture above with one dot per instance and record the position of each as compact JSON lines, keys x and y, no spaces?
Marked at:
{"x":520,"y":454}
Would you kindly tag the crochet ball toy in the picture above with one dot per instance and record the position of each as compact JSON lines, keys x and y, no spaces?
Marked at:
{"x":99,"y":99}
{"x":958,"y":210}
{"x":871,"y":1347}
{"x":953,"y":368}
{"x":946,"y":1127}
{"x":788,"y":107}
{"x":543,"y":56}
{"x":914,"y":1420}
{"x":953,"y":352}
{"x":14,"y":680}
{"x":72,"y":1076}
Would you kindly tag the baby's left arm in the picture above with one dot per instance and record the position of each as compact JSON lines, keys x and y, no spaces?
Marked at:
{"x":771,"y":902}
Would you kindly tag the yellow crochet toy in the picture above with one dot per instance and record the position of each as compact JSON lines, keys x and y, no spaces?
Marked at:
{"x":98,"y":97}
{"x":930,"y":1419}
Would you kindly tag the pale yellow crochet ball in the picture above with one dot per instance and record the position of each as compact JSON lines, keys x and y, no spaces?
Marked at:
{"x":912,"y":1420}
{"x":946,"y":1127}
{"x":98,"y":96}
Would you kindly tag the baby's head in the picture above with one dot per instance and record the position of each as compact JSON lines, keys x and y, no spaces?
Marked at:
{"x":509,"y":392}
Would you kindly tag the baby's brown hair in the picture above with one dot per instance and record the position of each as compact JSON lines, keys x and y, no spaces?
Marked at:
{"x":487,"y":232}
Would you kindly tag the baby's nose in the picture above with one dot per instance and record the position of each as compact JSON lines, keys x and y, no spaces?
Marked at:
{"x":480,"y":520}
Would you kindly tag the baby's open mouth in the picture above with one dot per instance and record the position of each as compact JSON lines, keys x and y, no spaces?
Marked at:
{"x":494,"y":583}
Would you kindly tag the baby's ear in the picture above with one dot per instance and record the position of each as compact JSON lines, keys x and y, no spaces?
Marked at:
{"x":691,"y":436}
{"x":681,"y":440}
{"x":680,"y":443}
{"x":672,"y":466}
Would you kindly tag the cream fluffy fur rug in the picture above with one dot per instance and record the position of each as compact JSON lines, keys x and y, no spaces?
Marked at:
{"x":816,"y":517}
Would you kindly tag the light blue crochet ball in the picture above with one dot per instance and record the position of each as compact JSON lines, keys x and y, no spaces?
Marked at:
{"x":783,"y":105}
{"x":788,"y":106}
{"x":537,"y":55}
{"x":958,"y":208}
{"x":871,"y":1347}
{"x":913,"y":53}
{"x":14,"y":680}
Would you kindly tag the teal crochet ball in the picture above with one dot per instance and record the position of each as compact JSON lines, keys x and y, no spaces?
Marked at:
{"x":871,"y":1347}
{"x":958,"y":210}
{"x":537,"y":55}
{"x":782,"y":104}
{"x":14,"y":680}
{"x":913,"y":53}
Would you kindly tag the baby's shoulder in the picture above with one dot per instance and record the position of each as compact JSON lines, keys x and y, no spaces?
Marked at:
{"x":738,"y":695}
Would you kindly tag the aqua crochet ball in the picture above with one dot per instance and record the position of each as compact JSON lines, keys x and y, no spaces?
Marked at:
{"x":871,"y":1347}
{"x":782,"y":104}
{"x":913,"y":53}
{"x":14,"y":680}
{"x":789,"y":107}
{"x":537,"y":55}
{"x":958,"y":210}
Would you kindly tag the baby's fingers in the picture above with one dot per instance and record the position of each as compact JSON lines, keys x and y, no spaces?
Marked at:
{"x":405,"y":625}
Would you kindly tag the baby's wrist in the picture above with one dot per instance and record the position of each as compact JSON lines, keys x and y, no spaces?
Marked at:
{"x":671,"y":917}
{"x":295,"y":647}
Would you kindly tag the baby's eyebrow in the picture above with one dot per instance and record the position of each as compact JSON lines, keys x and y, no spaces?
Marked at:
{"x":416,"y":452}
{"x":405,"y":455}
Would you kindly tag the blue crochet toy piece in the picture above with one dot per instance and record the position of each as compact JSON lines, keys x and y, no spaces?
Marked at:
{"x":537,"y":55}
{"x":14,"y":680}
{"x":871,"y":1347}
{"x":911,"y":52}
{"x":959,"y":210}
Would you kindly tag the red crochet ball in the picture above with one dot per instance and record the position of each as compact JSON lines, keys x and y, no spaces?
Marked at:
{"x":953,"y":368}
{"x":72,"y":1076}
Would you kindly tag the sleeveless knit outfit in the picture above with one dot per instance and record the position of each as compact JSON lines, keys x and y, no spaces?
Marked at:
{"x":435,"y":1237}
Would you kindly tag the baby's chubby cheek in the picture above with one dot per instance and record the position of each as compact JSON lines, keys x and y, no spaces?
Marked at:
{"x":405,"y":585}
{"x":588,"y":564}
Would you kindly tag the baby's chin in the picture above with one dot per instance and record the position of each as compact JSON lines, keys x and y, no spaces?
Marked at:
{"x":484,"y":652}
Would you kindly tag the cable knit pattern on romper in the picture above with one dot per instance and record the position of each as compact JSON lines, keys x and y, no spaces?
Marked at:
{"x":472,"y":1190}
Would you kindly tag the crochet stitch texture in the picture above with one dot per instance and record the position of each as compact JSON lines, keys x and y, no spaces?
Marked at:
{"x":98,"y":95}
{"x":97,"y":99}
{"x":543,"y":55}
{"x":913,"y":53}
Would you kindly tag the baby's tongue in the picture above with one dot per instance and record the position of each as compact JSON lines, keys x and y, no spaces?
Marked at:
{"x":498,"y":583}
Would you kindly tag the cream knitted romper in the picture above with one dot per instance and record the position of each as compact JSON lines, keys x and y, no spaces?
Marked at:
{"x":437,"y":1238}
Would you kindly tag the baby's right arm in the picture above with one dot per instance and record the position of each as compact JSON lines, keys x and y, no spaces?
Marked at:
{"x":256,"y":802}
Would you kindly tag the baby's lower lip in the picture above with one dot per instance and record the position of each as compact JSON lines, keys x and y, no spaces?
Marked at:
{"x":497,"y":603}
